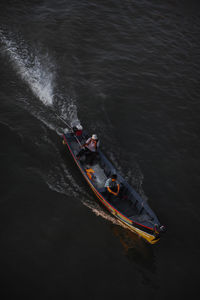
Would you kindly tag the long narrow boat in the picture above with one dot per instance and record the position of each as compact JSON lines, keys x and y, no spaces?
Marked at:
{"x":130,"y":209}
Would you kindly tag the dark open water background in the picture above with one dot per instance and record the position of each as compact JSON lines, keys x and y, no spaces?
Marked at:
{"x":129,"y":71}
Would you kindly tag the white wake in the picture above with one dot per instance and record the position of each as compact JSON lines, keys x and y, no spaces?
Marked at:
{"x":38,"y":72}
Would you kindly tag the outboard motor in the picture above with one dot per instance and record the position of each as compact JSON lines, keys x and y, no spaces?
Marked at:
{"x":162,"y":228}
{"x":159,"y":229}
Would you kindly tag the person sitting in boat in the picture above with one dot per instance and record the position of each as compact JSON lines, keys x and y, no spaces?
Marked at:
{"x":112,"y":187}
{"x":90,"y":149}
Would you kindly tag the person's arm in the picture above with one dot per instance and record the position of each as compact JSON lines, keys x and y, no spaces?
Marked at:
{"x":118,"y":188}
{"x":110,"y":191}
{"x":86,"y":143}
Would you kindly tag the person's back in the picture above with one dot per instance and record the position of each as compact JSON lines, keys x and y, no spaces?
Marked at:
{"x":92,"y":143}
{"x":112,"y":185}
{"x":90,"y":149}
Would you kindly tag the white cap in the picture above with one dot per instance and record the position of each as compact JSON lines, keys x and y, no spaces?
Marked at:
{"x":79,"y":127}
{"x":94,"y":137}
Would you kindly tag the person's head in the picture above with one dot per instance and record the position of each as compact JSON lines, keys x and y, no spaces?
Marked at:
{"x":114,"y":177}
{"x":94,"y":137}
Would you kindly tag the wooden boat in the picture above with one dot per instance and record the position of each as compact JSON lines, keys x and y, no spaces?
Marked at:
{"x":130,"y":209}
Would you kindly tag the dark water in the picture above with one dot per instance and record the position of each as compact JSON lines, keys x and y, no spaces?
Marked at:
{"x":129,"y":71}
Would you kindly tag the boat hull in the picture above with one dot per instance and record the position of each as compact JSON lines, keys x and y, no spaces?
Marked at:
{"x":125,"y":221}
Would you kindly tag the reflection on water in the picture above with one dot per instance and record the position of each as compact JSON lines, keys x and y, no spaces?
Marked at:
{"x":140,"y":254}
{"x":135,"y":248}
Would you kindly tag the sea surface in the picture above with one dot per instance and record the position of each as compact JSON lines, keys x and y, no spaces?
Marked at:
{"x":129,"y":71}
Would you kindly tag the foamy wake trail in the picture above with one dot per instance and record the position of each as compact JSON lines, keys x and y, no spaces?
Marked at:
{"x":61,"y":181}
{"x":35,"y":69}
{"x":38,"y":71}
{"x":99,"y":211}
{"x":67,"y":109}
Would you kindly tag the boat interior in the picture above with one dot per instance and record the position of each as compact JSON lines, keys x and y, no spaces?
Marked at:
{"x":99,"y":172}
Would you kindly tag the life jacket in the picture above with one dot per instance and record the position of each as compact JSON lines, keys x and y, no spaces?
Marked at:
{"x":113,"y":188}
{"x":90,"y":173}
{"x":94,"y":142}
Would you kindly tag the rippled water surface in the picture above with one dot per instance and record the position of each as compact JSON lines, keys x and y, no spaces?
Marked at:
{"x":129,"y":71}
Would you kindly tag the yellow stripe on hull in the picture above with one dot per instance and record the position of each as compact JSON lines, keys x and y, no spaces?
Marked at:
{"x":148,"y":237}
